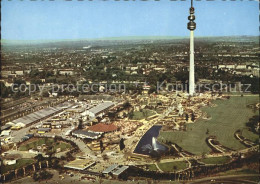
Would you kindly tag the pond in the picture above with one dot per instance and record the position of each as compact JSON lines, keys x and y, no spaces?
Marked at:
{"x":148,"y":143}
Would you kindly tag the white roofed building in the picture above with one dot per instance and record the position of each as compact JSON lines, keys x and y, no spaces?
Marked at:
{"x":100,"y":109}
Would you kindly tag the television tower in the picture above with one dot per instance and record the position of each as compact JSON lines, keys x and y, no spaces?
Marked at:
{"x":191,"y":26}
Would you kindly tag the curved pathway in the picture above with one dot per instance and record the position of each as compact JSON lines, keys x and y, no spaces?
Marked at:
{"x":157,"y":166}
{"x":244,"y":140}
{"x":183,"y":156}
{"x":217,"y":147}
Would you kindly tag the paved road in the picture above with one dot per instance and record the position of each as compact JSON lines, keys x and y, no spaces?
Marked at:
{"x":82,"y":146}
{"x":19,"y":134}
{"x":231,"y":179}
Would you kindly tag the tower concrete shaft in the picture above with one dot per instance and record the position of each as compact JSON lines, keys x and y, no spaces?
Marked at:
{"x":191,"y":26}
{"x":192,"y":72}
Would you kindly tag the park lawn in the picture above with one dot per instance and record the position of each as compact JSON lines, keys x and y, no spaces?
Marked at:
{"x":145,"y":113}
{"x":152,"y":167}
{"x":216,"y":160}
{"x":19,"y":163}
{"x":171,"y":166}
{"x":227,"y":117}
{"x":40,"y":141}
{"x":250,"y":135}
{"x":63,"y":146}
{"x":32,"y":144}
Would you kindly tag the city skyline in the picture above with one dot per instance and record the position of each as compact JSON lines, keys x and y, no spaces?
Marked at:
{"x":58,"y":20}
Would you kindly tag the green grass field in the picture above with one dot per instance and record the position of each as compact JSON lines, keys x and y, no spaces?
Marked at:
{"x":215,"y":160}
{"x":173,"y":166}
{"x":249,"y":135}
{"x":152,"y":167}
{"x":19,"y":163}
{"x":48,"y":141}
{"x":145,"y":113}
{"x":227,"y":117}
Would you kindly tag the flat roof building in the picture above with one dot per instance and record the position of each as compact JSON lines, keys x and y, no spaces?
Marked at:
{"x":79,"y":164}
{"x":103,"y":128}
{"x":99,"y":109}
{"x":5,"y":127}
{"x":84,"y":134}
{"x":119,"y":170}
{"x":110,"y":169}
{"x":115,"y":170}
{"x":41,"y":114}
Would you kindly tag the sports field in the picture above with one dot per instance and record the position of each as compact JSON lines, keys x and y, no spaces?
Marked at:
{"x":227,"y":117}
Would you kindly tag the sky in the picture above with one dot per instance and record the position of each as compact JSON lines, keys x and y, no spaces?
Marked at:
{"x":60,"y":19}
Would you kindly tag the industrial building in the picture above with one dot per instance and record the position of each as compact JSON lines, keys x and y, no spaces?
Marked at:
{"x":40,"y":115}
{"x":115,"y":170}
{"x":80,"y":164}
{"x":100,"y":109}
{"x":84,"y":134}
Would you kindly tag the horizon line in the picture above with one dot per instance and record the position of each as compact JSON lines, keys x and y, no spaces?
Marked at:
{"x":121,"y":38}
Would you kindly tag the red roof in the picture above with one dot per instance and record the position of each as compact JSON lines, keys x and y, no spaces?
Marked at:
{"x":101,"y":127}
